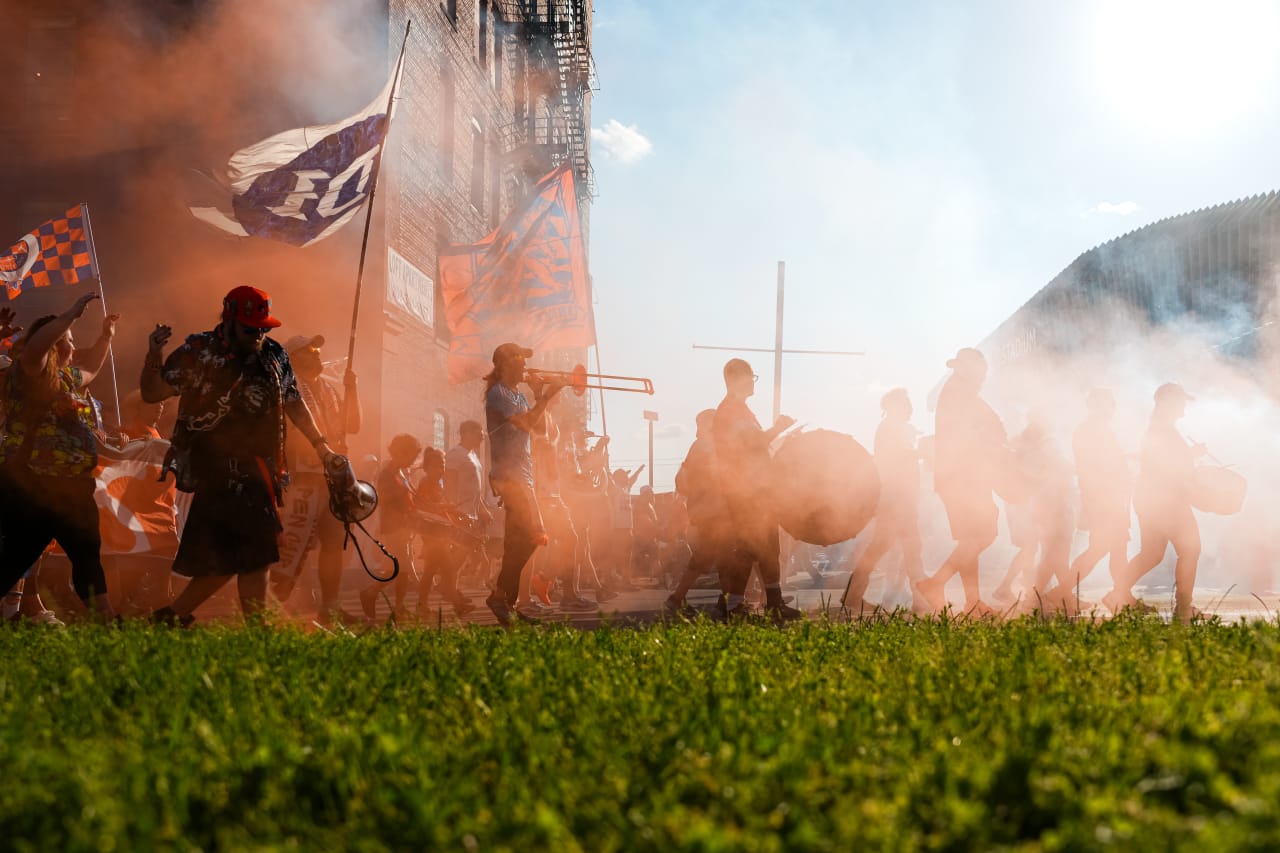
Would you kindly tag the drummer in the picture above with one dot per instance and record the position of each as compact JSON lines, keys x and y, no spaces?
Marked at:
{"x":742,"y":457}
{"x":1162,"y":500}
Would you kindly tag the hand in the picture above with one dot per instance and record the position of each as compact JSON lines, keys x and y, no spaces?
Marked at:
{"x":349,"y":378}
{"x":159,"y":338}
{"x":77,"y":308}
{"x":324,"y":451}
{"x":1198,"y":449}
{"x":109,"y":325}
{"x":784,"y":422}
{"x":7,"y":327}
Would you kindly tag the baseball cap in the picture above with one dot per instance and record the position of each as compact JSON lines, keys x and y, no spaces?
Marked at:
{"x":250,"y":307}
{"x":508,"y":351}
{"x":968,"y":355}
{"x":298,"y":342}
{"x":1172,"y":391}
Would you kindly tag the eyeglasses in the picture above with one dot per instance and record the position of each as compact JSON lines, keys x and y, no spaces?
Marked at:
{"x":755,"y":377}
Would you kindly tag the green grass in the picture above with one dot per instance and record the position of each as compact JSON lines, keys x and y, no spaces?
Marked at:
{"x":820,"y":737}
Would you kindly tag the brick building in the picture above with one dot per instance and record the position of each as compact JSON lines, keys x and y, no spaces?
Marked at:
{"x":117,"y":104}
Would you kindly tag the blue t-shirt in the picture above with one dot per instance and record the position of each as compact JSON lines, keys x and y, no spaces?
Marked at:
{"x":509,"y":446}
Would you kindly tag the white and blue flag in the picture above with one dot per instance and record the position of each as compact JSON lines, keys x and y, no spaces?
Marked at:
{"x":302,"y":185}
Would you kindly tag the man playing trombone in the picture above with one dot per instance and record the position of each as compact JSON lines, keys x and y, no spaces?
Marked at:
{"x":511,"y":422}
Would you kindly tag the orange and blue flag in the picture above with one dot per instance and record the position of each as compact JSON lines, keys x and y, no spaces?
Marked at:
{"x":525,"y":282}
{"x":58,"y":252}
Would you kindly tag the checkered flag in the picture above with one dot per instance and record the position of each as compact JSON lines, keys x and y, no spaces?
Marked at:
{"x":58,"y":252}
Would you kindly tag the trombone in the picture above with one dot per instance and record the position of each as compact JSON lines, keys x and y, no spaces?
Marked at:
{"x":579,"y":380}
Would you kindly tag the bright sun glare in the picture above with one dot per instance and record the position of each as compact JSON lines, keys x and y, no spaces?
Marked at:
{"x":1183,"y":65}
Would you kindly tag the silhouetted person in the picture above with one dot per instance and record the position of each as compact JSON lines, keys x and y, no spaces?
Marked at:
{"x":968,"y":451}
{"x":49,"y":454}
{"x":1162,"y":500}
{"x":1042,"y":523}
{"x":236,"y":388}
{"x":898,"y":514}
{"x":743,"y":461}
{"x":698,"y":480}
{"x":1106,"y":488}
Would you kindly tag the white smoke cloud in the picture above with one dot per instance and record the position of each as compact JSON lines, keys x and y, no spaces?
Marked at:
{"x":624,"y":143}
{"x":1123,"y":208}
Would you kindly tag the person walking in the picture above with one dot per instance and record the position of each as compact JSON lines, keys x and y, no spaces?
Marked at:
{"x":235,"y":388}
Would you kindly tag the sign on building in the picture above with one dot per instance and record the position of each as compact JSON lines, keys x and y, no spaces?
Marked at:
{"x":410,"y":289}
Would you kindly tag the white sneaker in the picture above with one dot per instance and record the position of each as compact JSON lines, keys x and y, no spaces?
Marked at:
{"x":47,"y":617}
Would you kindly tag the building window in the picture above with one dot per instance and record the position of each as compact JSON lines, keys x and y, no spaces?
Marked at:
{"x":440,"y":430}
{"x":447,"y":108}
{"x":518,"y":83}
{"x":477,"y":166}
{"x":497,"y":49}
{"x":495,"y":186}
{"x":444,"y":239}
{"x":482,"y":31}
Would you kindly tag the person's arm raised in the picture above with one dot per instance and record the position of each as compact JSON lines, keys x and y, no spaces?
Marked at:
{"x":35,"y":353}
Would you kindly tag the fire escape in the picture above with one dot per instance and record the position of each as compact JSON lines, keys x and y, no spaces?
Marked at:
{"x":552,"y":125}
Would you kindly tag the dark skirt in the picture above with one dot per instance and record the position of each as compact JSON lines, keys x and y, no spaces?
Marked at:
{"x":230,"y":530}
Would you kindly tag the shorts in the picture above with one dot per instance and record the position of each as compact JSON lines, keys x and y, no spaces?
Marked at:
{"x":972,"y":516}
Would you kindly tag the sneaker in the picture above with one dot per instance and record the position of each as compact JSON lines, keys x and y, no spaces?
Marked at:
{"x":501,"y":609}
{"x":783,"y":613}
{"x":533,"y":607}
{"x":576,"y":603}
{"x":678,"y":609}
{"x":47,"y":617}
{"x":541,"y":589}
{"x":462,"y":605}
{"x":604,"y":594}
{"x":522,"y":614}
{"x":166,"y":616}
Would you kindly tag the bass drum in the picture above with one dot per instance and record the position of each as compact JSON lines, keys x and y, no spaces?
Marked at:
{"x":825,"y":486}
{"x":1218,"y":490}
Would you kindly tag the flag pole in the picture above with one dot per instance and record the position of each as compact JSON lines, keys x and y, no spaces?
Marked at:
{"x":102,"y":294}
{"x":368,"y":217}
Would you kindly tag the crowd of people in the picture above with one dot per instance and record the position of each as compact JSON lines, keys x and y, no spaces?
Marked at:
{"x":547,"y":520}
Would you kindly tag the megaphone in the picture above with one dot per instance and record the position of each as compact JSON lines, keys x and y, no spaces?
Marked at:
{"x":351,"y":500}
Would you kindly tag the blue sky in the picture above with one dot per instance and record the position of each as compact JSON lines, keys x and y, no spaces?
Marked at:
{"x":922,"y":168}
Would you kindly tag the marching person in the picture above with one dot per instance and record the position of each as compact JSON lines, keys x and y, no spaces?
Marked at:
{"x":709,"y":538}
{"x":1162,"y":500}
{"x":742,"y":460}
{"x":337,"y":414}
{"x":397,"y":523}
{"x":464,"y":491}
{"x":512,"y":421}
{"x":236,"y":387}
{"x":1106,"y":488}
{"x":48,"y":456}
{"x":968,"y":452}
{"x":898,"y":515}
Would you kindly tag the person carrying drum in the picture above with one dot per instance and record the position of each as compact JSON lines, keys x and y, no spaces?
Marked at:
{"x":898,"y":515}
{"x":743,"y":460}
{"x":1106,"y":488}
{"x":1162,"y":499}
{"x":968,"y":452}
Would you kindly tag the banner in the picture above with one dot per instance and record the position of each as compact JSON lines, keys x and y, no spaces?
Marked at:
{"x":135,"y":511}
{"x":302,"y":185}
{"x":526,"y":282}
{"x":305,"y":499}
{"x":57,"y":253}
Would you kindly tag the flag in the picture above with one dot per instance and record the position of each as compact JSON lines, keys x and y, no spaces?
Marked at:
{"x":526,"y":282}
{"x":58,"y":252}
{"x":136,"y":511}
{"x":302,"y":185}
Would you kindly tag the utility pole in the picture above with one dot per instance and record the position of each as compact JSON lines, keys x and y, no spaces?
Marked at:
{"x":777,"y":350}
{"x":652,"y":418}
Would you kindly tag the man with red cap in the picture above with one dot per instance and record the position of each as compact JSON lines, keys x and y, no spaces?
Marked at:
{"x":235,"y":387}
{"x":511,"y":422}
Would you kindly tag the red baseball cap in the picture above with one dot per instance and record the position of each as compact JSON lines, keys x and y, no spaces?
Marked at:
{"x":250,"y":307}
